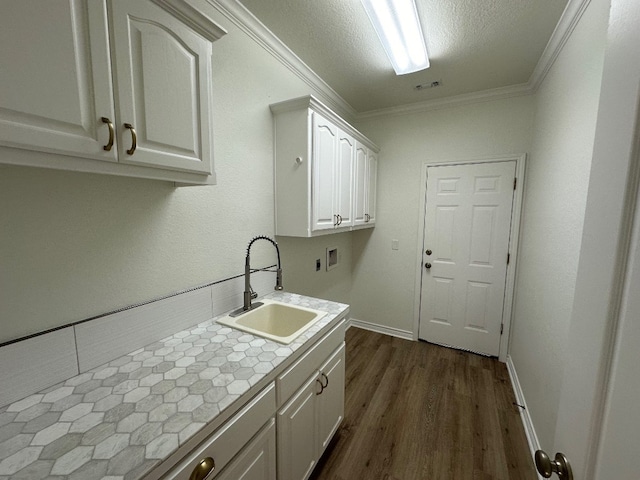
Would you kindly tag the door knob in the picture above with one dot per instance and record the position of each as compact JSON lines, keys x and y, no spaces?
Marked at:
{"x":427,"y":266}
{"x":428,"y":252}
{"x":560,"y":465}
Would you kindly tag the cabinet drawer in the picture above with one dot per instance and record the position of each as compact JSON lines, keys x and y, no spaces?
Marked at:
{"x":227,"y":441}
{"x":257,"y":461}
{"x":293,"y":378}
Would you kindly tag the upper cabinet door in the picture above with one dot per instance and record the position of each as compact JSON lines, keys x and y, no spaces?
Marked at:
{"x":325,"y":142}
{"x":55,"y":85}
{"x":372,"y":186}
{"x":163,"y":88}
{"x":343,"y":180}
{"x":360,"y":185}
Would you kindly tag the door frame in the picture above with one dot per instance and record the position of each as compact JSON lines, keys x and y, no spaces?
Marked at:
{"x":516,"y":213}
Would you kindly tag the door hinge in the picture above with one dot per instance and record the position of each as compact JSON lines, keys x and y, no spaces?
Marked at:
{"x":501,"y":328}
{"x":508,"y":258}
{"x":515,"y":182}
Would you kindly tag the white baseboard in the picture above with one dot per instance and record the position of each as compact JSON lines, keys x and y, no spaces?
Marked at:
{"x":529,"y":430}
{"x":374,"y":327}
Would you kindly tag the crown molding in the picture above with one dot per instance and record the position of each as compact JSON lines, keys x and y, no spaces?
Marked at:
{"x":448,"y":102}
{"x":248,"y":23}
{"x":193,"y":17}
{"x":561,"y":34}
{"x":567,"y":23}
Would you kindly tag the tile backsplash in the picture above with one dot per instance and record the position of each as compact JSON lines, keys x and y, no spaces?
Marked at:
{"x":39,"y":362}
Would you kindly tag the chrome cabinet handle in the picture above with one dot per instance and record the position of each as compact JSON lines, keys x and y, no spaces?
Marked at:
{"x":339,"y":219}
{"x":321,"y":386}
{"x":109,"y":144}
{"x":134,"y":138}
{"x":203,"y":469}
{"x":367,"y":217}
{"x":427,"y":266}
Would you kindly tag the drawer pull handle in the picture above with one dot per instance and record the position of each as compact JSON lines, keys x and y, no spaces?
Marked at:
{"x":134,"y":138}
{"x":326,"y":380}
{"x":109,"y":144}
{"x":203,"y":469}
{"x":321,"y":387}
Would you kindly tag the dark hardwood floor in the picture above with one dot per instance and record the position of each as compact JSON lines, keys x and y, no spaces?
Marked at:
{"x":417,"y":411}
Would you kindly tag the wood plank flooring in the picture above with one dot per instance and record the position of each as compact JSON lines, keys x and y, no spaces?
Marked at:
{"x":416,"y":411}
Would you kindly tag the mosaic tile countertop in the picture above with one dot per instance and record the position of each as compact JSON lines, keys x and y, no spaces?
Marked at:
{"x":120,"y":420}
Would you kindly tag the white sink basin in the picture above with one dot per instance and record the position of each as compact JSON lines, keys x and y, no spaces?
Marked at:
{"x":274,"y":320}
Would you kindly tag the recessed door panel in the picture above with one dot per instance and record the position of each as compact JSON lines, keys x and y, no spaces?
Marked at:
{"x":487,"y":184}
{"x":477,"y":303}
{"x":483,"y":220}
{"x":443,"y":290}
{"x":444,"y":233}
{"x":152,"y":45}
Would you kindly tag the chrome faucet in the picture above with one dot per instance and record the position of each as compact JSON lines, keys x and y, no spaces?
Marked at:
{"x":249,"y":294}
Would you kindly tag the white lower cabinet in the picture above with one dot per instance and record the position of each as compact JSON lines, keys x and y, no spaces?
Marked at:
{"x":297,"y":443}
{"x":284,"y":429}
{"x":308,"y":421}
{"x":331,"y":399}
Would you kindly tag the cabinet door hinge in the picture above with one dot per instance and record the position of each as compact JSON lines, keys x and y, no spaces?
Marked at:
{"x":515,"y":181}
{"x":508,"y":258}
{"x":501,"y":328}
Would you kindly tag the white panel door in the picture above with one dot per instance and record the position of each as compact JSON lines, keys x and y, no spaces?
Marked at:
{"x":343,"y":180}
{"x":163,"y":88}
{"x":325,"y":142}
{"x":466,"y":241}
{"x":360,"y":185}
{"x":55,"y":85}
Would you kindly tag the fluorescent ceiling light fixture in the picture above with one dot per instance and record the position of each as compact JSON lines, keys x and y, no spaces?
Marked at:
{"x":396,"y":23}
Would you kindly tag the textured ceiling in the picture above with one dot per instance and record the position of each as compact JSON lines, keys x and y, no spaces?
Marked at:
{"x":473,"y":45}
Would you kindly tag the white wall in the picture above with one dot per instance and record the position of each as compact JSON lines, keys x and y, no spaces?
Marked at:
{"x":76,"y":245}
{"x":383,"y":279}
{"x":299,"y":257}
{"x":555,"y":197}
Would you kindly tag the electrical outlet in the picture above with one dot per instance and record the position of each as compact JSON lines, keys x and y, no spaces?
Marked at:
{"x":395,"y":244}
{"x":318,"y":265}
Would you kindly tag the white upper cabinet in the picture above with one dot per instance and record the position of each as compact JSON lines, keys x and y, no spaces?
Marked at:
{"x":56,"y":78}
{"x":163,"y":88}
{"x":371,"y":187}
{"x":365,"y":173}
{"x":344,"y":179}
{"x":114,"y":87}
{"x":325,"y":144}
{"x":316,"y":178}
